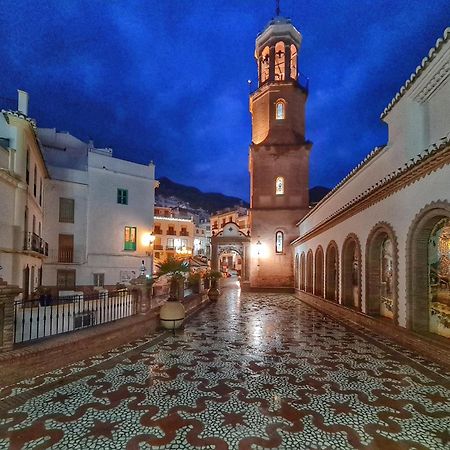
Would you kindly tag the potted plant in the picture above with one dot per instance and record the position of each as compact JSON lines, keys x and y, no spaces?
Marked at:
{"x":172,"y":313}
{"x":194,"y":281}
{"x":213,"y":291}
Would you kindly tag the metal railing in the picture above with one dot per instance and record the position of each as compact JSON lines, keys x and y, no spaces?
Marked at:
{"x":33,"y":242}
{"x":48,"y":316}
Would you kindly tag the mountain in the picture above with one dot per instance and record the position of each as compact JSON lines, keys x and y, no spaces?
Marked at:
{"x":317,"y":193}
{"x":209,"y":201}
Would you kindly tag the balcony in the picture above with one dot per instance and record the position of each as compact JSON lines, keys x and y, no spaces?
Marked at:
{"x":157,"y":231}
{"x":184,"y":233}
{"x":171,"y":233}
{"x":65,"y":255}
{"x":158,"y":247}
{"x":170,"y":247}
{"x":34,"y":243}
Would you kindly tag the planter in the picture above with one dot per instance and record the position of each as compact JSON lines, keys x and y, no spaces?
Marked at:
{"x":213,"y":291}
{"x":172,"y":315}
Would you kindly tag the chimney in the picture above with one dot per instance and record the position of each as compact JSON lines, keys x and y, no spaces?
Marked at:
{"x":22,"y":102}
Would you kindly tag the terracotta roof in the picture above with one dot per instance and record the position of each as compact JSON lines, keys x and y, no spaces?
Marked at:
{"x":419,"y":69}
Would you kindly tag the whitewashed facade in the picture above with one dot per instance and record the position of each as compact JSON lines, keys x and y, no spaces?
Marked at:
{"x":379,"y":242}
{"x":98,"y":214}
{"x":22,"y":175}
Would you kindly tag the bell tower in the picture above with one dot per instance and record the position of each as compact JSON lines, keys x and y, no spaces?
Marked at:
{"x":279,"y":155}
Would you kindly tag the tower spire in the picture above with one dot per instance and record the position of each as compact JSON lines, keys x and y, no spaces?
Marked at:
{"x":277,"y":10}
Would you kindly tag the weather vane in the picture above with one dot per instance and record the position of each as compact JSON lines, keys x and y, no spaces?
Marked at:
{"x":278,"y":8}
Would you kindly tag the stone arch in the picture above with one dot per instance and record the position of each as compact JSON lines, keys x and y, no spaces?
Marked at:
{"x":296,"y":273}
{"x":419,"y":289}
{"x":382,"y":279}
{"x":309,"y":271}
{"x":318,"y":272}
{"x":332,"y":272}
{"x":351,"y":272}
{"x":302,"y":271}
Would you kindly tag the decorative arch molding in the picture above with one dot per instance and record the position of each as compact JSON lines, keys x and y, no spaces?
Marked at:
{"x":417,"y":315}
{"x":377,"y":235}
{"x":302,"y":271}
{"x":309,"y":271}
{"x":332,"y":272}
{"x":319,"y":272}
{"x":350,"y":278}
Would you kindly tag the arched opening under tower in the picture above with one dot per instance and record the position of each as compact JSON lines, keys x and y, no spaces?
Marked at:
{"x":318,"y":272}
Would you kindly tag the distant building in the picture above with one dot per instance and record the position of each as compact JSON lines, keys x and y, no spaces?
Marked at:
{"x":22,"y":176}
{"x":98,"y":214}
{"x":202,"y":239}
{"x":229,"y":258}
{"x":174,"y":234}
{"x":379,"y":242}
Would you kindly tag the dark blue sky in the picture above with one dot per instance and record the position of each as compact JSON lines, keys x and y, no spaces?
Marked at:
{"x":167,"y":80}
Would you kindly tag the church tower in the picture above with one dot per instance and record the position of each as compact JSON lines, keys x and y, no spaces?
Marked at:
{"x":279,"y":155}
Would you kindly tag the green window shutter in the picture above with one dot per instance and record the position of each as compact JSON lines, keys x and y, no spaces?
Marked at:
{"x":122,"y":196}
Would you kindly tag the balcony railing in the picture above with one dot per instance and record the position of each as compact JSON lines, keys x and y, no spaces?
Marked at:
{"x":35,"y":243}
{"x":171,"y":233}
{"x":158,"y":247}
{"x":65,"y":255}
{"x":157,"y":231}
{"x":184,"y":233}
{"x":170,"y":247}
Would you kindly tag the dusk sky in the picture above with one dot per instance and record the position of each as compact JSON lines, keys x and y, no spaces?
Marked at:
{"x":167,"y":80}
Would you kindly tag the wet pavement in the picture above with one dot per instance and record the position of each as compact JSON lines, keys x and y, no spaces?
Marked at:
{"x":253,"y":371}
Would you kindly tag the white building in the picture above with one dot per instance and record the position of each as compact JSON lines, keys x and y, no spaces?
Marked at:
{"x":22,"y":175}
{"x":379,"y":242}
{"x":98,"y":214}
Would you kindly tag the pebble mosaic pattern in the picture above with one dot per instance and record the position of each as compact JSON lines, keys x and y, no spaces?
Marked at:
{"x":254,"y":371}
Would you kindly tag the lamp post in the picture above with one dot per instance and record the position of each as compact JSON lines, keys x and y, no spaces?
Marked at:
{"x":148,"y":240}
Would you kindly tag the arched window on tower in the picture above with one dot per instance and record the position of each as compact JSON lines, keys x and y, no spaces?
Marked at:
{"x":280,"y":67}
{"x":280,"y":110}
{"x":264,"y":64}
{"x":279,"y":186}
{"x":279,"y":238}
{"x":293,"y":62}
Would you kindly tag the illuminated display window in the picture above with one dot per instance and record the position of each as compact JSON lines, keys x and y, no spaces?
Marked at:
{"x":130,"y":238}
{"x":279,"y":242}
{"x":279,"y":186}
{"x":280,"y":110}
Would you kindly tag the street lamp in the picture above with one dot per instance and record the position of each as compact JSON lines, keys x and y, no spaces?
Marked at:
{"x":258,"y":251}
{"x":148,"y":239}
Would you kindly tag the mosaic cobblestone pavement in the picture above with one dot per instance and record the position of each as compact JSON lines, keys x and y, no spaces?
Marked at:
{"x":250,"y":372}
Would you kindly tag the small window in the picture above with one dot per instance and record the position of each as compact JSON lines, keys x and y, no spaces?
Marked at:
{"x":65,"y":280}
{"x":280,"y":113}
{"x":35,"y":181}
{"x":279,"y":186}
{"x":66,"y":210}
{"x":122,"y":196}
{"x":130,"y":238}
{"x":99,"y":279}
{"x":279,"y":242}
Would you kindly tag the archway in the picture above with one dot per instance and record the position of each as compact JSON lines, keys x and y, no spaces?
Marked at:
{"x":296,"y":274}
{"x":382,"y":272}
{"x":318,"y":272}
{"x":428,"y":271}
{"x":331,"y":272}
{"x":351,"y":272}
{"x":302,"y":271}
{"x":309,"y":271}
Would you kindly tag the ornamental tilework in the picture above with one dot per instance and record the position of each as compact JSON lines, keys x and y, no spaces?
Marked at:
{"x":253,"y":371}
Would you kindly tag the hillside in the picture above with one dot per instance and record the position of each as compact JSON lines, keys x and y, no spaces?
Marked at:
{"x":209,"y":201}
